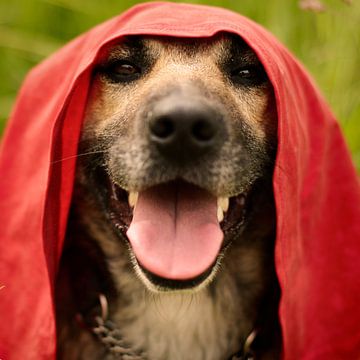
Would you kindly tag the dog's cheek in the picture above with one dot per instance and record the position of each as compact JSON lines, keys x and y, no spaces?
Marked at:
{"x":110,"y":109}
{"x":262,"y":117}
{"x":255,"y":120}
{"x":127,"y":163}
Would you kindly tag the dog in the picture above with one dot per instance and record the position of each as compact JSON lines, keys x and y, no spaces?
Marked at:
{"x":172,"y":227}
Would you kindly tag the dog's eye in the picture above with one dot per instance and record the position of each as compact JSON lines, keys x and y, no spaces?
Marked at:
{"x":244,"y":73}
{"x":125,"y":69}
{"x":252,"y":75}
{"x":122,"y":71}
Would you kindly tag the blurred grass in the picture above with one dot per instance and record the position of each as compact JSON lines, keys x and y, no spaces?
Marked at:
{"x":327,"y":43}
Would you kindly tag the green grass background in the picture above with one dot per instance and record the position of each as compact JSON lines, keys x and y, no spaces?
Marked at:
{"x":327,"y":43}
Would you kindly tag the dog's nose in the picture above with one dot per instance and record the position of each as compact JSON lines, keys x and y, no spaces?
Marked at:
{"x":183,"y":131}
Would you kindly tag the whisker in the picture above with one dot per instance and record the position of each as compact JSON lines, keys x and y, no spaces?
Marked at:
{"x":77,"y":155}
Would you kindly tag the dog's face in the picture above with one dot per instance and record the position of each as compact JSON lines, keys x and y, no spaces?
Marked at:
{"x":180,"y":132}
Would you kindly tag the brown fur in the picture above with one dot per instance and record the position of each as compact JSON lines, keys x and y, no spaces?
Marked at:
{"x":206,"y":322}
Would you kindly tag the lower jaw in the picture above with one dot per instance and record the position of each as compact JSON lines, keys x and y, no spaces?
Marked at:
{"x":164,"y":284}
{"x":157,"y":284}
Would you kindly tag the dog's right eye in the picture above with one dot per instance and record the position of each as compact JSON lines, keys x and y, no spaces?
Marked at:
{"x":122,"y":71}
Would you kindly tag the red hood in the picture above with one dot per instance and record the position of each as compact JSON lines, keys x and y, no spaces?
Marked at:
{"x":316,"y":190}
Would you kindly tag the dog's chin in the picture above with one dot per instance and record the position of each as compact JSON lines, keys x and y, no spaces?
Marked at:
{"x":228,"y":220}
{"x":159,"y":284}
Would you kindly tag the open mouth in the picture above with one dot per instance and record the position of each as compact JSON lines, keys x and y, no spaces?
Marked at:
{"x":177,"y":231}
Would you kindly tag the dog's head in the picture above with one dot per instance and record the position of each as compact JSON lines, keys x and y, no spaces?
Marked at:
{"x":178,"y":134}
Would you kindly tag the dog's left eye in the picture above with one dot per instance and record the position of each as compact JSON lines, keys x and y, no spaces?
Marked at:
{"x":123,"y":71}
{"x":252,"y":75}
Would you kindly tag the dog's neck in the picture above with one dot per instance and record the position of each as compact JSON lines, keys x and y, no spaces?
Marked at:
{"x":207,"y":324}
{"x":111,"y":337}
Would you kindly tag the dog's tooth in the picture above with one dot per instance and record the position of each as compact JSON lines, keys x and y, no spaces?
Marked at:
{"x":220,"y":214}
{"x":242,"y":200}
{"x":133,"y":197}
{"x":223,"y":202}
{"x":114,"y":191}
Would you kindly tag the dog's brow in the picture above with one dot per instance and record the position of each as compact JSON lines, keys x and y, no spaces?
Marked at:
{"x":240,"y":51}
{"x":127,"y":49}
{"x":119,"y":52}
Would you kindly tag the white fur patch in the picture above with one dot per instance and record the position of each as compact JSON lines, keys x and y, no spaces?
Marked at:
{"x":203,"y":325}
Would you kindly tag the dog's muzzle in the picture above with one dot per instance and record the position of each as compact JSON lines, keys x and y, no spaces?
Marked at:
{"x":177,"y":229}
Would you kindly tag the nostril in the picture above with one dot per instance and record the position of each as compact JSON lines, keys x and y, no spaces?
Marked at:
{"x":203,"y":130}
{"x":162,"y":128}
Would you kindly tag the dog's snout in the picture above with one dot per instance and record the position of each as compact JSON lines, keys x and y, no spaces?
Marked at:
{"x":184,"y":130}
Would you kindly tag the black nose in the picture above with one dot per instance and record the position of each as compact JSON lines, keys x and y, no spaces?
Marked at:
{"x":183,"y":131}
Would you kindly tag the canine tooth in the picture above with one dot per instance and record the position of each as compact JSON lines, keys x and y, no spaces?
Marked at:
{"x":133,"y":197}
{"x":223,"y":202}
{"x":220,"y":214}
{"x":242,"y":200}
{"x":114,"y":194}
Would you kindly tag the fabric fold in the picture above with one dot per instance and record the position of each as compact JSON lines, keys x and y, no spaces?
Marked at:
{"x":316,"y":189}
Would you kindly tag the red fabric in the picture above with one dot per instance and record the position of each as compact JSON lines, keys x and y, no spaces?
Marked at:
{"x":316,"y":190}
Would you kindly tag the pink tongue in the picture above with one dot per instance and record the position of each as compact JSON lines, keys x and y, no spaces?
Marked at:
{"x":175,"y":233}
